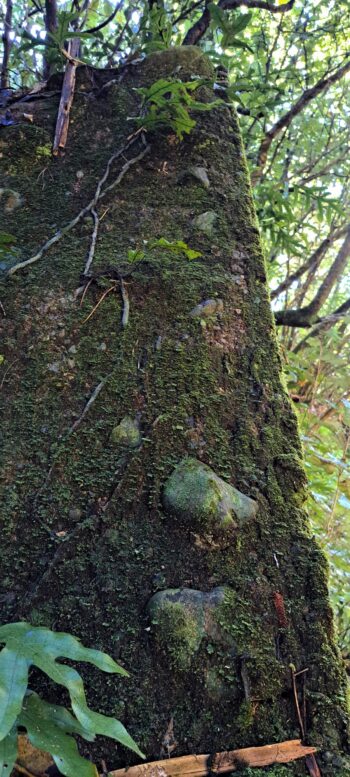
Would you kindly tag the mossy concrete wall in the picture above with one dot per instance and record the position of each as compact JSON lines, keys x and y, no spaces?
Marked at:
{"x":85,"y":538}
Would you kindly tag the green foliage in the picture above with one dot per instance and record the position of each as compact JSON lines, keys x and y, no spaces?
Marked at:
{"x":221,"y":20}
{"x":50,"y":727}
{"x":168,"y":103}
{"x":175,"y":247}
{"x":156,"y":31}
{"x":316,"y":377}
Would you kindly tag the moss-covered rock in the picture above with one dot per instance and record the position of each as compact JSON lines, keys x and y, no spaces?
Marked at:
{"x":182,"y":618}
{"x":205,"y":222}
{"x":127,"y":433}
{"x":207,"y":308}
{"x":203,"y":501}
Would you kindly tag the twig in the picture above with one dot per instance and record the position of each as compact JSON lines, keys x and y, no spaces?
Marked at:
{"x":84,"y":290}
{"x":2,"y":309}
{"x":84,"y":211}
{"x":104,"y":768}
{"x":93,"y":241}
{"x":296,"y":701}
{"x":111,"y":288}
{"x":109,"y":19}
{"x":9,"y":368}
{"x":126,"y":303}
{"x":90,"y":402}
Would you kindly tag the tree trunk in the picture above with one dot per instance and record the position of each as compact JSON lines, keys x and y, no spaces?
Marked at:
{"x":121,"y":521}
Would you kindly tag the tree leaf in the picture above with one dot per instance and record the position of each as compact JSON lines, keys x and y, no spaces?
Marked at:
{"x":29,"y":641}
{"x":45,"y":735}
{"x":13,"y":685}
{"x":8,"y":752}
{"x":61,"y":717}
{"x":93,"y":722}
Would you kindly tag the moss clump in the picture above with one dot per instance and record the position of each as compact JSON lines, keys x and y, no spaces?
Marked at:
{"x":178,"y":634}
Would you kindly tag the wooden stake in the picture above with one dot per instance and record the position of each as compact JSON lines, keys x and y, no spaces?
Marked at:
{"x":220,"y":763}
{"x":67,"y":94}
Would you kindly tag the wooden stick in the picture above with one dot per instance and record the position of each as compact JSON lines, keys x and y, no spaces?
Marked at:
{"x":66,"y":100}
{"x":220,"y":763}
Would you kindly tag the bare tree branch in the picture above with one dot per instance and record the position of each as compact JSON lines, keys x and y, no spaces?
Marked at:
{"x":106,"y":21}
{"x":196,"y":32}
{"x":321,"y":86}
{"x":324,"y":324}
{"x":305,"y":317}
{"x":312,"y":262}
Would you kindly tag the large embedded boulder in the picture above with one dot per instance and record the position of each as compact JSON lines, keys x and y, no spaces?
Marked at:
{"x":182,"y":617}
{"x":201,"y":499}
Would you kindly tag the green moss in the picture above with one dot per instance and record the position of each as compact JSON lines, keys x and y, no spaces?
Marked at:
{"x":177,"y":634}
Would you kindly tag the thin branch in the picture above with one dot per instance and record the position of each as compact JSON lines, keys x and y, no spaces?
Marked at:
{"x":311,"y":263}
{"x":106,"y":21}
{"x":188,"y":11}
{"x":196,"y":32}
{"x":126,"y":303}
{"x":296,"y":702}
{"x":321,"y":86}
{"x":118,"y":41}
{"x":324,"y":324}
{"x":107,"y":291}
{"x":90,"y":402}
{"x":93,"y":241}
{"x":305,"y":317}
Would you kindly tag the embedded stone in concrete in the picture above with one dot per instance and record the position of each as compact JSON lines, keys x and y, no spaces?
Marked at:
{"x":207,"y":308}
{"x":127,"y":433}
{"x":201,"y":499}
{"x":205,"y":222}
{"x":182,"y":618}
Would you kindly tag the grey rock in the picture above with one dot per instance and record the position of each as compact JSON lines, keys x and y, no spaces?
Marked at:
{"x":205,"y":222}
{"x":201,"y":174}
{"x":194,"y":171}
{"x":207,"y":308}
{"x":54,"y":367}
